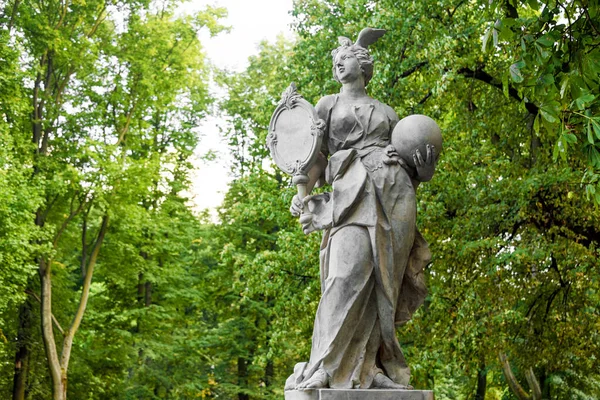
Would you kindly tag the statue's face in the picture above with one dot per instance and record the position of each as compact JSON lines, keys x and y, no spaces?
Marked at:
{"x":347,"y":67}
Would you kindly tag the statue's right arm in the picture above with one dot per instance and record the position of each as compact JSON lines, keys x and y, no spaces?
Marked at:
{"x":316,"y":175}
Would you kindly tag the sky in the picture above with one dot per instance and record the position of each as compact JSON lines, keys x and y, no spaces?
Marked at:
{"x":251,"y":22}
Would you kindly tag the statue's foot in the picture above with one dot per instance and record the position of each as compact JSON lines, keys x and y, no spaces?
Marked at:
{"x":290,"y":383}
{"x":380,"y":381}
{"x":319,"y":380}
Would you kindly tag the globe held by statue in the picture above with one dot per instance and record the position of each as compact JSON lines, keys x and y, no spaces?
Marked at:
{"x":415,"y":132}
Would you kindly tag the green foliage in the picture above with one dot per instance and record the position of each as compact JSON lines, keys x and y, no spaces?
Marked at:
{"x":18,"y":197}
{"x":116,"y":92}
{"x":183,"y":308}
{"x":510,"y":215}
{"x":249,"y":94}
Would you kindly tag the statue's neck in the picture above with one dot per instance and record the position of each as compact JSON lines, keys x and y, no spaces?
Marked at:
{"x":354,"y":90}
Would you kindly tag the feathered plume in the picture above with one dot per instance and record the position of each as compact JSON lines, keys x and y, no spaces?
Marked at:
{"x":368,"y":36}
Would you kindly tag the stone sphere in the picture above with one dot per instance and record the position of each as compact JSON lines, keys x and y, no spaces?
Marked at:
{"x":415,"y":132}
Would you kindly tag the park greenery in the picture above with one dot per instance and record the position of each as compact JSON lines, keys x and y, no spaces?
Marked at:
{"x":113,"y":287}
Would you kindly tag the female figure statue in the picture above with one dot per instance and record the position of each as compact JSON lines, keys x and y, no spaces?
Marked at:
{"x":372,"y":257}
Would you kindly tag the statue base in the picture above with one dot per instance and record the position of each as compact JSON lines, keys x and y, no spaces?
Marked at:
{"x":358,"y":394}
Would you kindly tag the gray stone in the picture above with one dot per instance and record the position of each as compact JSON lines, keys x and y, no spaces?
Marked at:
{"x":372,"y":255}
{"x":359,"y":394}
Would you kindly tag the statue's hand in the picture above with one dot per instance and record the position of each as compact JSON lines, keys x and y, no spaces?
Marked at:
{"x":307,"y":222}
{"x":392,"y":156}
{"x":425,"y":168}
{"x":297,"y":206}
{"x":318,"y":216}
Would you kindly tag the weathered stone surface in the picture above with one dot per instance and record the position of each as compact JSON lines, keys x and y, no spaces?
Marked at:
{"x":372,"y":255}
{"x":359,"y":394}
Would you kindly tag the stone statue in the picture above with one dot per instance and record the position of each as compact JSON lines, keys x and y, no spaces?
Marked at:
{"x":372,"y":256}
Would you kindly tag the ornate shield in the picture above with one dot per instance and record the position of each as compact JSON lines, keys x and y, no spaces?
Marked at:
{"x":295,"y":135}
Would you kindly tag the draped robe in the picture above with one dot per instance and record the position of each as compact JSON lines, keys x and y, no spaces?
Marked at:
{"x":372,"y":256}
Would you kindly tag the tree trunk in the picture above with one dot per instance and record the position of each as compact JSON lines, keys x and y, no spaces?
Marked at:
{"x":59,"y":367}
{"x":63,"y":383}
{"x":140,"y":287}
{"x":22,"y":353}
{"x":148,"y":294}
{"x":536,"y":391}
{"x":269,"y":373}
{"x":48,"y":332}
{"x":481,"y":382}
{"x":514,"y":385}
{"x":243,"y":378}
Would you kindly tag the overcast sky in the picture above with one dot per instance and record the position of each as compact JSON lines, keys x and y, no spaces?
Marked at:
{"x":251,"y":21}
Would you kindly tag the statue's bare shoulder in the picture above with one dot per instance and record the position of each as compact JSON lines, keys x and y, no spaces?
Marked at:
{"x":324,"y":105}
{"x":391,"y":114}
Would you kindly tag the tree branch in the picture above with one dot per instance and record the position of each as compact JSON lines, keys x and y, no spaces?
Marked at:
{"x":84,"y":246}
{"x":422,"y":101}
{"x":589,"y":19}
{"x":101,"y":17}
{"x":85,"y":291}
{"x":483,"y":76}
{"x":35,"y":296}
{"x":47,"y":331}
{"x":451,"y":13}
{"x":62,"y":15}
{"x":516,"y":388}
{"x":72,"y":214}
{"x":511,"y":11}
{"x":409,"y":71}
{"x":536,"y":391}
{"x":13,"y":14}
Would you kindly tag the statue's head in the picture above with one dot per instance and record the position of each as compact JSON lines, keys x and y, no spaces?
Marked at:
{"x":364,"y":59}
{"x":359,"y":51}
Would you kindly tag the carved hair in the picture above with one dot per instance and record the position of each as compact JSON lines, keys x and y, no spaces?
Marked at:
{"x":366,"y":37}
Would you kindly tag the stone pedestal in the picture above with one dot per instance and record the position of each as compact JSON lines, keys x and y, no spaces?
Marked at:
{"x":359,"y":394}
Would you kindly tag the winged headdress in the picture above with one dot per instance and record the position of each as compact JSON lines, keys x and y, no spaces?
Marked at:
{"x":366,"y":37}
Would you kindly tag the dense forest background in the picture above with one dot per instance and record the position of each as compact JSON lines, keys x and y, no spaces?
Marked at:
{"x":113,"y":288}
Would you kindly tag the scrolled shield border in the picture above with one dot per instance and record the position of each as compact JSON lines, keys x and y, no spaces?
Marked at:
{"x":292,"y":99}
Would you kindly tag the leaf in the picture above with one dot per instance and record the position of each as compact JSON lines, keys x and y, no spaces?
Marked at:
{"x":583,"y":99}
{"x":556,"y":151}
{"x":590,"y":132}
{"x":549,"y":115}
{"x":562,"y":144}
{"x":533,"y":4}
{"x":596,"y":125}
{"x":593,"y":64}
{"x":563,"y":86}
{"x":549,"y":126}
{"x":541,"y":52}
{"x":594,"y":156}
{"x":550,"y":111}
{"x":570,"y":138}
{"x":505,"y":86}
{"x":485,"y":39}
{"x":547,"y":79}
{"x":545,"y":41}
{"x":495,"y":37}
{"x":515,"y":71}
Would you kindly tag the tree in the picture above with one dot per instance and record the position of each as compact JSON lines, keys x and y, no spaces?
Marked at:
{"x":114,"y":116}
{"x":510,"y":214}
{"x":18,"y":200}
